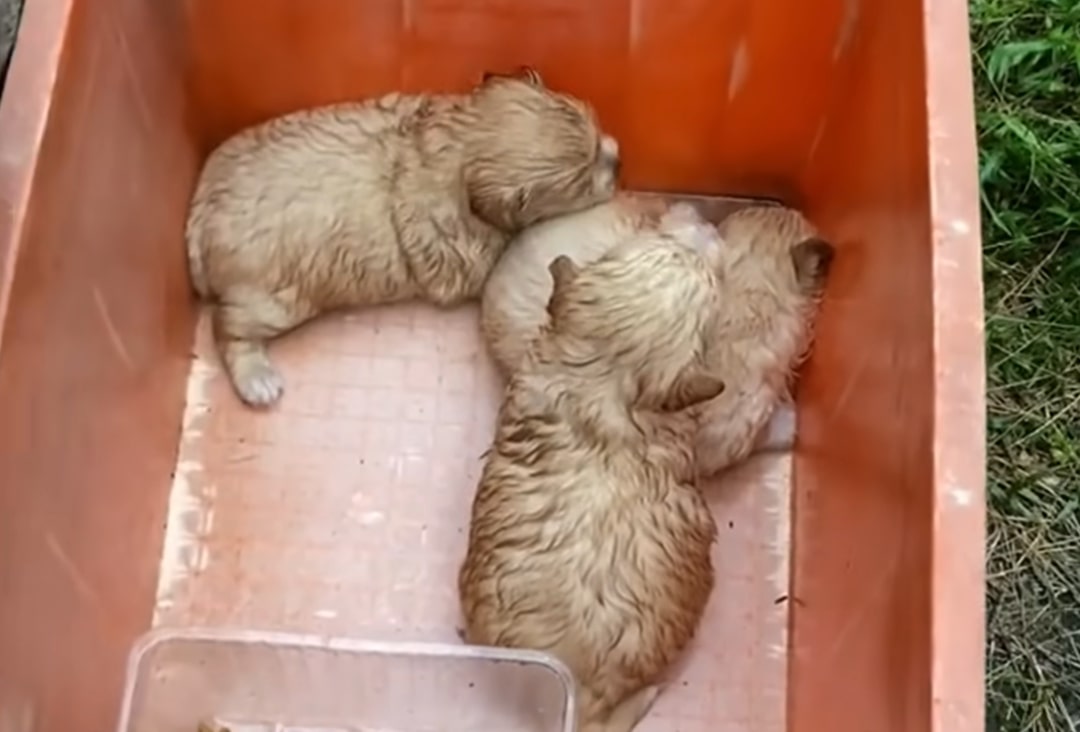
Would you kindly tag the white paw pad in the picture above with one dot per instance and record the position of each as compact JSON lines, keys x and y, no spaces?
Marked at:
{"x":779,"y":432}
{"x":260,"y":385}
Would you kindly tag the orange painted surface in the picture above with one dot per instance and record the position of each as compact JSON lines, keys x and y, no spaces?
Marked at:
{"x":858,"y":110}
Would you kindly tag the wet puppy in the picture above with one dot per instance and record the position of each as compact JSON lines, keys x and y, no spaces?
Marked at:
{"x":772,"y":269}
{"x":406,"y":196}
{"x":519,"y":287}
{"x":589,"y":538}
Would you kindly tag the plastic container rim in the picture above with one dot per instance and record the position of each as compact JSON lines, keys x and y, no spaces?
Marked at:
{"x":417,"y":649}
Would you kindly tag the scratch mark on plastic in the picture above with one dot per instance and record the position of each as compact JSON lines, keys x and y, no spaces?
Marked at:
{"x":819,"y":135}
{"x":740,"y":67}
{"x":847,"y":28}
{"x":126,"y":59}
{"x":111,"y":330}
{"x":961,"y":497}
{"x":960,"y":226}
{"x":82,"y":585}
{"x":636,"y":22}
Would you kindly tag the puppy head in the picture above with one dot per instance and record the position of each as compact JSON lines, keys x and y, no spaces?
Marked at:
{"x":640,"y":316}
{"x":533,"y":153}
{"x":784,"y":247}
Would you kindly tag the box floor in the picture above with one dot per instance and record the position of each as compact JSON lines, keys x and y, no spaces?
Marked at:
{"x":345,"y":509}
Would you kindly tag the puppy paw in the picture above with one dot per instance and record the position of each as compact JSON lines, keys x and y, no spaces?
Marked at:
{"x":684,"y":223}
{"x":629,"y":712}
{"x":693,"y":390}
{"x":679,"y":215}
{"x":779,"y":432}
{"x":648,"y":698}
{"x":258,"y":383}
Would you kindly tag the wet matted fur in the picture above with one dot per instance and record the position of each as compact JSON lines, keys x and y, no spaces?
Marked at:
{"x":589,"y":538}
{"x":772,"y":270}
{"x":401,"y":197}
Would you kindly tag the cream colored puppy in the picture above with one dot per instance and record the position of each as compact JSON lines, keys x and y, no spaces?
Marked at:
{"x":772,"y":269}
{"x":589,"y":538}
{"x":406,"y":196}
{"x":512,"y":307}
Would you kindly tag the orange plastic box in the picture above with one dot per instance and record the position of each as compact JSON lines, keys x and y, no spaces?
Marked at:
{"x":136,"y":493}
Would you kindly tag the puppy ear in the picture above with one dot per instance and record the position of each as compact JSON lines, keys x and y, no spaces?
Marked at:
{"x":812,"y":259}
{"x":693,"y":390}
{"x":499,"y":205}
{"x":563,"y":272}
{"x":531,"y":75}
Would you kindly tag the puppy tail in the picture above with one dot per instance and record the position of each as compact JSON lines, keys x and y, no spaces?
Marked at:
{"x":197,"y":268}
{"x":626,"y":714}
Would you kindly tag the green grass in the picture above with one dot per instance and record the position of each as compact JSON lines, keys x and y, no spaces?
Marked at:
{"x":1027,"y":75}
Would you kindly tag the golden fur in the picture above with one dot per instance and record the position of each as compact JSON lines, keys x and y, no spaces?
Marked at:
{"x":589,"y":538}
{"x":518,"y":289}
{"x":771,"y":267}
{"x":406,"y":196}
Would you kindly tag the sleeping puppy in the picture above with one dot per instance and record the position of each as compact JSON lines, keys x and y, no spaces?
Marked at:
{"x":515,"y":295}
{"x":589,"y":538}
{"x":401,"y":197}
{"x":772,"y":268}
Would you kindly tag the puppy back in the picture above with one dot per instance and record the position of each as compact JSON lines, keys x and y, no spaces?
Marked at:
{"x":515,"y":297}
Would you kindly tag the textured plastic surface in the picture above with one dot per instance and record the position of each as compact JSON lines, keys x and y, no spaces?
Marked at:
{"x":859,"y":111}
{"x":274,"y":682}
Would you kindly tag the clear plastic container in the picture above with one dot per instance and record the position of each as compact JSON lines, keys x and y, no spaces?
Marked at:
{"x":249,"y":681}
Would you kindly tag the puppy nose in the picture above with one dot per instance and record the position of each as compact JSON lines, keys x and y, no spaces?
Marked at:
{"x":616,"y":165}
